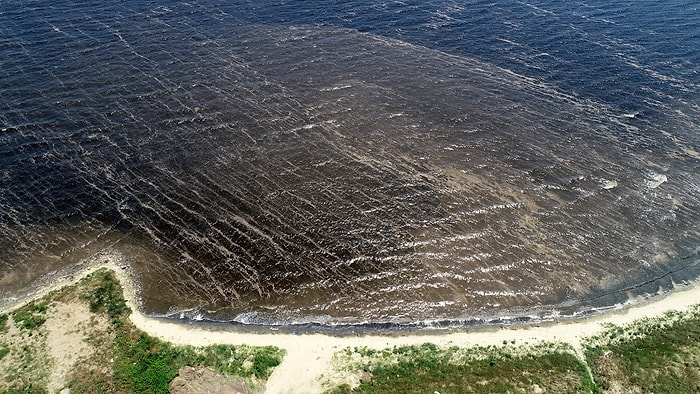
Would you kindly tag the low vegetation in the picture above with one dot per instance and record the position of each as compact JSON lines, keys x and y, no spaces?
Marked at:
{"x":31,"y":316}
{"x":4,"y":350}
{"x":24,"y":368}
{"x":143,"y":364}
{"x":122,"y":359}
{"x":545,"y":367}
{"x":659,"y":355}
{"x":3,"y":324}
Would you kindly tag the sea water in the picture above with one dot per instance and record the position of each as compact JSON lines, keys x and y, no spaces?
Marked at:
{"x":362,"y":162}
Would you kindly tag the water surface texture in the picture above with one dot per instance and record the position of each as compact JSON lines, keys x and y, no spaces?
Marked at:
{"x":354,"y":162}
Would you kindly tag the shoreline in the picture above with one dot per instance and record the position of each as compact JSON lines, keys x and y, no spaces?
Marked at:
{"x":309,"y":354}
{"x":66,"y":277}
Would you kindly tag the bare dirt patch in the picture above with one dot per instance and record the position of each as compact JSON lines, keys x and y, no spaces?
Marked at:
{"x":201,"y":380}
{"x":68,"y":331}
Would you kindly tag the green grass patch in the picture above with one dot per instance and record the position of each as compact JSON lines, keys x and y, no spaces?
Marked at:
{"x":495,"y":369}
{"x":3,"y":323}
{"x":104,"y":294}
{"x":146,"y":364}
{"x":31,"y":316}
{"x":134,"y":362}
{"x":651,"y":355}
{"x":4,"y":350}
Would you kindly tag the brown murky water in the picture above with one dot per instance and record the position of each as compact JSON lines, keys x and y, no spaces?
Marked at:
{"x":289,"y":173}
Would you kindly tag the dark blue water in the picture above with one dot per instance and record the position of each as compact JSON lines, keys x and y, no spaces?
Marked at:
{"x":349,"y":162}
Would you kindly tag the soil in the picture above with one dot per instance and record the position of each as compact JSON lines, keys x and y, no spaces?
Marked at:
{"x":68,"y":328}
{"x":202,"y":380}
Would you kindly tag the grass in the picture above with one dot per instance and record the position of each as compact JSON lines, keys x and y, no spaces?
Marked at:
{"x":125,"y":359}
{"x":31,"y":316}
{"x":496,"y":369}
{"x":4,"y":350}
{"x":27,"y":365}
{"x":24,"y":362}
{"x":659,"y":355}
{"x":105,"y":295}
{"x":146,"y":364}
{"x":651,"y":355}
{"x":140,"y":363}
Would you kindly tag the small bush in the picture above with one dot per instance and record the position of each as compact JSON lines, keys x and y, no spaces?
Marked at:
{"x":266,"y":358}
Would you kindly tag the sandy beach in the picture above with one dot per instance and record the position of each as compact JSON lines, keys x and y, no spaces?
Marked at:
{"x":308,"y":359}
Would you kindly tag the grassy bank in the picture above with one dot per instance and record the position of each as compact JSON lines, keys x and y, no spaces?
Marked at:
{"x":545,"y":367}
{"x":659,"y":355}
{"x":113,"y":356}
